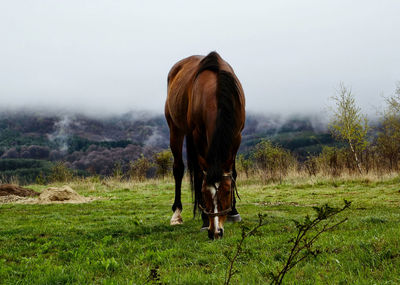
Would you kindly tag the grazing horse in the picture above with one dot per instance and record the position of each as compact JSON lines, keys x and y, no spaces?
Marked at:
{"x":206,"y":104}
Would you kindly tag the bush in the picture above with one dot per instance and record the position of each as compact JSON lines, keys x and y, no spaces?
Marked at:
{"x":117,"y":172}
{"x":163,"y":161}
{"x":139,"y":168}
{"x":244,"y":164}
{"x":388,"y":141}
{"x":331,"y":161}
{"x":311,"y":165}
{"x":60,"y":173}
{"x":273,"y":161}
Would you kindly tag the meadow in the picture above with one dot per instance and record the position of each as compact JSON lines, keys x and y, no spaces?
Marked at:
{"x":125,"y":237}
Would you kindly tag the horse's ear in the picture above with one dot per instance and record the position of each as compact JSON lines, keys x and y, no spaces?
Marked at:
{"x":203,"y":163}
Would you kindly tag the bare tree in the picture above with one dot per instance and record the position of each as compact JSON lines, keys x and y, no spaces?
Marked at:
{"x":388,"y":141}
{"x":348,"y":124}
{"x":394,"y":101}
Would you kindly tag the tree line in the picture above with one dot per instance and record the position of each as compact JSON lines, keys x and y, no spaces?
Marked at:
{"x":361,"y":150}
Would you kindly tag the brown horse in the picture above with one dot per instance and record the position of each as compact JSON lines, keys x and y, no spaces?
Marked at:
{"x":206,"y":104}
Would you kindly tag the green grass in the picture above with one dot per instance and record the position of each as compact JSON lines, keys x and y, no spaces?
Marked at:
{"x":125,"y":238}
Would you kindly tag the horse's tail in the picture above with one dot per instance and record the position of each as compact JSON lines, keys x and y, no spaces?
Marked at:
{"x":227,"y":120}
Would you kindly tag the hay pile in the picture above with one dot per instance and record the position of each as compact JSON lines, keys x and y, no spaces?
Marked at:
{"x":50,"y":195}
{"x":64,"y":194}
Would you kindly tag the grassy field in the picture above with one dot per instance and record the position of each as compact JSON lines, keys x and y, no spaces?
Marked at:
{"x":125,"y":238}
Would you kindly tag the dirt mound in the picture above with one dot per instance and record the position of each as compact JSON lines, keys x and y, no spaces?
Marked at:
{"x":64,"y":194}
{"x":50,"y":195}
{"x":15,"y":190}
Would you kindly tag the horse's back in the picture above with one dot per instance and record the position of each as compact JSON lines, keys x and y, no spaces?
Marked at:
{"x":187,"y":95}
{"x":180,"y":80}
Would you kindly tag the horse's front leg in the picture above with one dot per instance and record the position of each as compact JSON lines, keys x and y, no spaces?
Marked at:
{"x":176,"y":143}
{"x":234,"y":216}
{"x":178,"y":170}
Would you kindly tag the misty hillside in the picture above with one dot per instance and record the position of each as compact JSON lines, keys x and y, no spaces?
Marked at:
{"x":94,"y":145}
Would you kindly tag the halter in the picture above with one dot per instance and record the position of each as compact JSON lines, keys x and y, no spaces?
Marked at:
{"x":224,"y":212}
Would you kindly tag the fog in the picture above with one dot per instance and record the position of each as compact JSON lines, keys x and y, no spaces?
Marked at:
{"x":107,"y":57}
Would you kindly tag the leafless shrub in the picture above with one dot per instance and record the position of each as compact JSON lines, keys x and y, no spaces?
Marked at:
{"x":273,"y":161}
{"x":138,"y":169}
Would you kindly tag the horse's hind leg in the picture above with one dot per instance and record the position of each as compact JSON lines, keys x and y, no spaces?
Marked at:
{"x":176,"y":143}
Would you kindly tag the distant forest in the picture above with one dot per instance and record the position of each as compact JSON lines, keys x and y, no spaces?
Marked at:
{"x":31,"y":142}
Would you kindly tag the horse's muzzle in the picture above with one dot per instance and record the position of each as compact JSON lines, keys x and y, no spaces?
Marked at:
{"x":216,"y":235}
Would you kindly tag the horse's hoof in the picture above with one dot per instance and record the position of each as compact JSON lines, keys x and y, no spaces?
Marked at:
{"x":176,"y":218}
{"x":234,"y":218}
{"x":176,"y":222}
{"x":205,"y":225}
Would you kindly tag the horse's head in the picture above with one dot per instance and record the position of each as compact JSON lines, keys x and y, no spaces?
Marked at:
{"x":218,"y":198}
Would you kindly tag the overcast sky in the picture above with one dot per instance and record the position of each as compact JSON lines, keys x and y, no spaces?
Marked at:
{"x":114,"y":56}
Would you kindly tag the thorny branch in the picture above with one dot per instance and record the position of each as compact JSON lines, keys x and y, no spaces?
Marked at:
{"x":307,"y":233}
{"x":302,"y":243}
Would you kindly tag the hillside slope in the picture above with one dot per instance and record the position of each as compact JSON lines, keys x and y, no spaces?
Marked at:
{"x":96,"y":144}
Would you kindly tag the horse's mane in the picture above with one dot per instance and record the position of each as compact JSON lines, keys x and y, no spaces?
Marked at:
{"x":226,"y":124}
